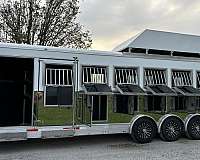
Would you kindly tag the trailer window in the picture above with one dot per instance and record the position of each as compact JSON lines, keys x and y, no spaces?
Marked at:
{"x":94,"y":75}
{"x":181,"y":78}
{"x":61,"y":77}
{"x":126,"y":76}
{"x":154,"y":77}
{"x":59,"y":85}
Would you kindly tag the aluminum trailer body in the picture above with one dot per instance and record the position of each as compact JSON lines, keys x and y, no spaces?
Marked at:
{"x":80,"y":92}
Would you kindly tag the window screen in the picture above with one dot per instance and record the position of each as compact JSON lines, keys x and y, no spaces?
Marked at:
{"x":181,"y":78}
{"x":94,"y":75}
{"x":154,"y":77}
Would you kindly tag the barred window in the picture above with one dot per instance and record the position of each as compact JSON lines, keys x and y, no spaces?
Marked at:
{"x":181,"y":78}
{"x":59,"y":85}
{"x":154,"y":77}
{"x":61,"y":77}
{"x":126,"y":76}
{"x":94,"y":75}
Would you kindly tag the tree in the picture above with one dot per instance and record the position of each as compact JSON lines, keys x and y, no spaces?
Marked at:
{"x":50,"y":23}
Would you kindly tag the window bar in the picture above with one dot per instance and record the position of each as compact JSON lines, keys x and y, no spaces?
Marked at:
{"x":59,"y":77}
{"x":158,"y":76}
{"x":132,"y":76}
{"x":151,"y":77}
{"x":136,"y":77}
{"x":71,"y":78}
{"x":90,"y":74}
{"x":175,"y":79}
{"x":190,"y":78}
{"x":198,"y":79}
{"x":161,"y":77}
{"x":122,"y":76}
{"x":55,"y":76}
{"x":116,"y":80}
{"x":63,"y":77}
{"x":83,"y":75}
{"x":179,"y":78}
{"x":165,"y":77}
{"x":125,"y":76}
{"x":67,"y":77}
{"x":106,"y":78}
{"x":185,"y":78}
{"x":46,"y":76}
{"x":145,"y":75}
{"x":87,"y":74}
{"x":50,"y":76}
{"x":146,"y":78}
{"x":120,"y":81}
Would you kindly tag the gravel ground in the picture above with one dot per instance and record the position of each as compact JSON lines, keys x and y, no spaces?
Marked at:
{"x":110,"y":147}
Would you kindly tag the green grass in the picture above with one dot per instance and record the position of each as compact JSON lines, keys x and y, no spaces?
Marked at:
{"x":54,"y":115}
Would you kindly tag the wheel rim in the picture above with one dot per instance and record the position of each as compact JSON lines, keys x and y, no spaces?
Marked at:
{"x":195,"y":126}
{"x":144,"y":130}
{"x":172,"y":129}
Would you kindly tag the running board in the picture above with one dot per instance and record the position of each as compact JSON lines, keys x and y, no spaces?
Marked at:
{"x":13,"y":135}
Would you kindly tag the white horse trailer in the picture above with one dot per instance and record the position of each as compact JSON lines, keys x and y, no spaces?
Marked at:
{"x":144,"y":87}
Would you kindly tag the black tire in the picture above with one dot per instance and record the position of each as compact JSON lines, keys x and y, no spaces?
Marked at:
{"x":144,"y":130}
{"x":193,"y":127}
{"x":171,"y":129}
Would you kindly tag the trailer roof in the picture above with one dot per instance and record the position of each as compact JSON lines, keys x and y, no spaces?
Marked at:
{"x":56,"y":49}
{"x":161,"y":40}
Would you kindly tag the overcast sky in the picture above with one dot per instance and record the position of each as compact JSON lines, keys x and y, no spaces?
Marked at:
{"x":114,"y":21}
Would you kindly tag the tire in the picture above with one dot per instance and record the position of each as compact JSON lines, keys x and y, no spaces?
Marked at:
{"x":193,"y":128}
{"x":171,"y":128}
{"x":144,"y":129}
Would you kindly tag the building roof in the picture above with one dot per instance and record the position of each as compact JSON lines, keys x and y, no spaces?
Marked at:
{"x":160,"y":40}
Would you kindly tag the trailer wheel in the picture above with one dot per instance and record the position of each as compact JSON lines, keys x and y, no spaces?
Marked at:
{"x":144,"y":129}
{"x":171,"y":128}
{"x":192,"y":127}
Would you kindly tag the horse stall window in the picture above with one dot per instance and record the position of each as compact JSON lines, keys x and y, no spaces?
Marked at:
{"x":126,"y":81}
{"x":59,"y":85}
{"x":180,"y":81}
{"x":94,"y":74}
{"x":126,"y":76}
{"x":155,"y":79}
{"x":181,"y":78}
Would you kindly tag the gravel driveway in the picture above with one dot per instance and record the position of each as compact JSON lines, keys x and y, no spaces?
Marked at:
{"x":110,"y":147}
